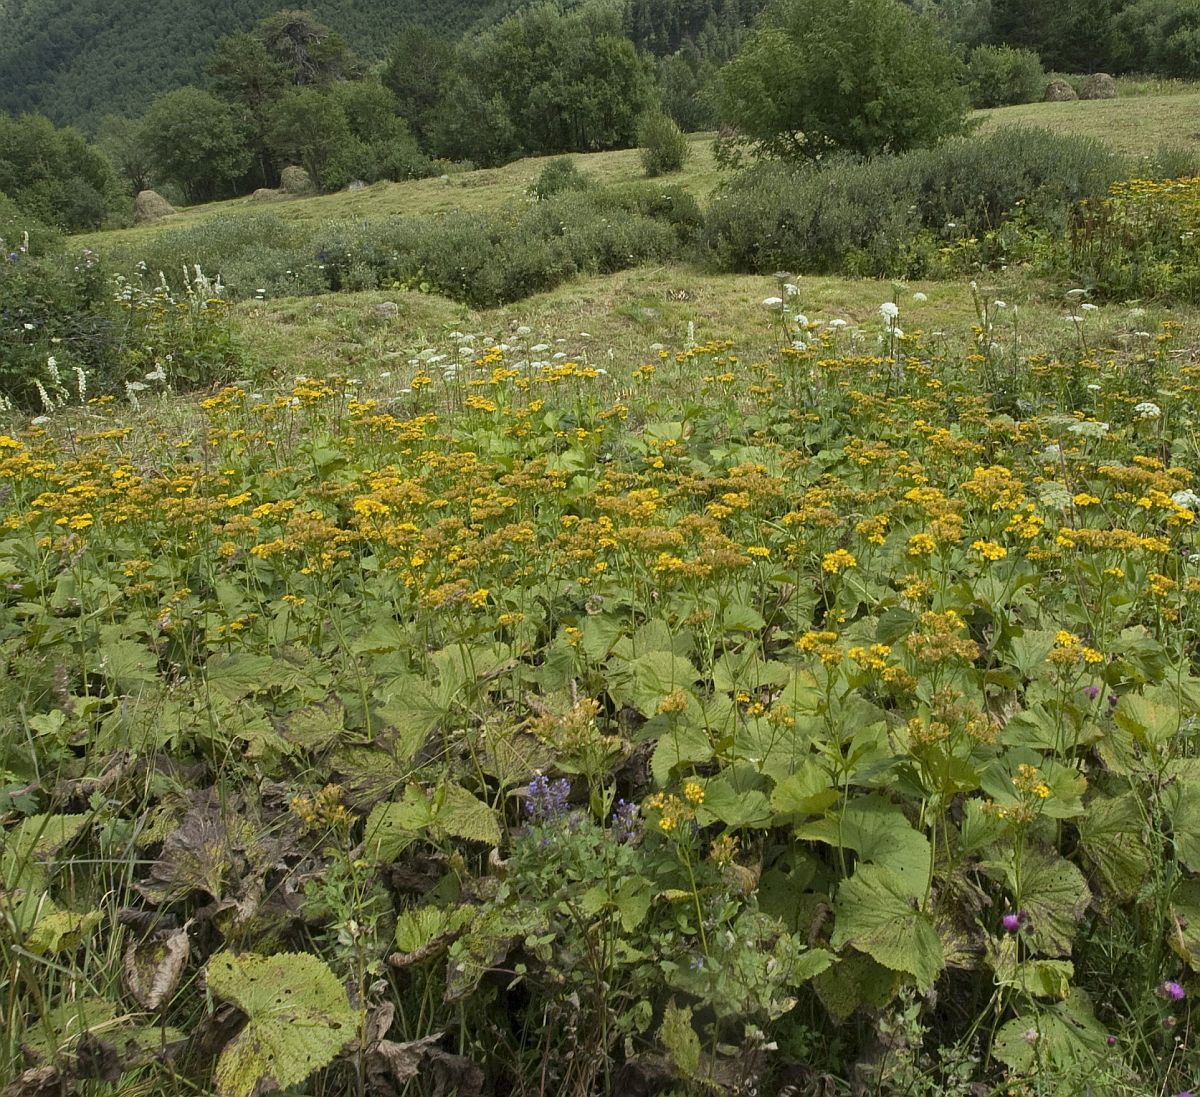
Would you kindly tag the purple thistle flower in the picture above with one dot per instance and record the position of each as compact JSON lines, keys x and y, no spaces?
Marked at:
{"x":1011,"y":923}
{"x":1092,"y":692}
{"x":1173,"y":990}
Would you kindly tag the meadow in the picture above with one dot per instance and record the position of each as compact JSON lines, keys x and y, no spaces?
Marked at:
{"x":674,"y":682}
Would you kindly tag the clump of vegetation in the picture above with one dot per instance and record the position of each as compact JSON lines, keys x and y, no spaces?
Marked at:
{"x":664,"y":145}
{"x":1000,"y":76}
{"x":480,"y":259}
{"x":863,"y":76}
{"x":560,"y":175}
{"x":70,"y":332}
{"x":903,"y":215}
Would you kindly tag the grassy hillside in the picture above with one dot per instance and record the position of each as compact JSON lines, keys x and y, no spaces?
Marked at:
{"x":1135,"y":125}
{"x":485,"y":190}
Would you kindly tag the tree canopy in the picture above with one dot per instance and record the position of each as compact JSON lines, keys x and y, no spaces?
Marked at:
{"x":860,"y":76}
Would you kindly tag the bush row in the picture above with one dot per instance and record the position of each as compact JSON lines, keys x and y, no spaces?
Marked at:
{"x":477,"y":258}
{"x":897,"y":216}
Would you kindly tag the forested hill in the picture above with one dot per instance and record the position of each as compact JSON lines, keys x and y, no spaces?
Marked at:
{"x":78,"y":60}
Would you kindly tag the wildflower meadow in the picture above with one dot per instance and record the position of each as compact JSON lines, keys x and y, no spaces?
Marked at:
{"x":503,"y":721}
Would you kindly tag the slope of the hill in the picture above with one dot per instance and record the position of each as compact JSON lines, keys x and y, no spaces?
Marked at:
{"x":78,"y":60}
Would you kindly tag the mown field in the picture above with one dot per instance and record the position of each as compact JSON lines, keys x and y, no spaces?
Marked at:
{"x":675,"y":682}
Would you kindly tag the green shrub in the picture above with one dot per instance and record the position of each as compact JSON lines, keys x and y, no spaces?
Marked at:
{"x":69,"y":332}
{"x":999,"y":76}
{"x":877,"y":217}
{"x":21,"y":233}
{"x":664,"y":145}
{"x":559,"y":175}
{"x":481,"y":259}
{"x":861,"y":76}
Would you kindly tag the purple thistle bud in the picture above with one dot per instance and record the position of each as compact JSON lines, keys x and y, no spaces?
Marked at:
{"x":1111,"y":1041}
{"x":1011,"y":923}
{"x":1092,"y":692}
{"x":1112,"y":700}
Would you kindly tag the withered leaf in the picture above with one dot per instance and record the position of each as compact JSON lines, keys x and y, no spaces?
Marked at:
{"x":153,"y":967}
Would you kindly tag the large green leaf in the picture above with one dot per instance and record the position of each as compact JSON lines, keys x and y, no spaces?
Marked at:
{"x":1113,"y":836}
{"x":680,"y":1039}
{"x":878,"y":831}
{"x":687,"y":743}
{"x":461,"y":814}
{"x":393,"y":827}
{"x":733,"y":807}
{"x":808,"y":791}
{"x":298,"y":1019}
{"x":1054,"y":893}
{"x":877,"y":913}
{"x":1065,"y":1037}
{"x":237,"y":675}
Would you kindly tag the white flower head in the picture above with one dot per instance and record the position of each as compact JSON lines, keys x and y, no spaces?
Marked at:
{"x":920,"y":297}
{"x":1148,"y":410}
{"x":889,"y":310}
{"x":772,"y":302}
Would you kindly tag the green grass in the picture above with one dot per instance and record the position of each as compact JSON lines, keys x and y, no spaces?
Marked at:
{"x":486,"y":190}
{"x":627,"y":312}
{"x":1135,"y":125}
{"x":1151,"y":113}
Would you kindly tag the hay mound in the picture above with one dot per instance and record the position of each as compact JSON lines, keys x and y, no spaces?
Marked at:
{"x":150,"y":206}
{"x":1059,"y":91}
{"x":267,"y":194}
{"x":295,"y":180}
{"x":1099,"y":86}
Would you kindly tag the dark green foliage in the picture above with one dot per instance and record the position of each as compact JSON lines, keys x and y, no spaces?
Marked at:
{"x":569,"y":80}
{"x":685,"y":84}
{"x":471,"y":124}
{"x":52,"y":306}
{"x":890,"y":216}
{"x":1072,"y":35}
{"x":309,"y":128}
{"x":1160,"y":36}
{"x":1000,"y":76}
{"x":305,"y":49}
{"x":123,"y":142}
{"x":77,"y":60}
{"x":663,"y":26}
{"x":243,"y":71}
{"x":61,"y":315}
{"x":198,"y":142}
{"x":861,"y":76}
{"x":53,"y":175}
{"x":22,"y":233}
{"x":559,"y":175}
{"x":418,"y":72}
{"x":664,"y":145}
